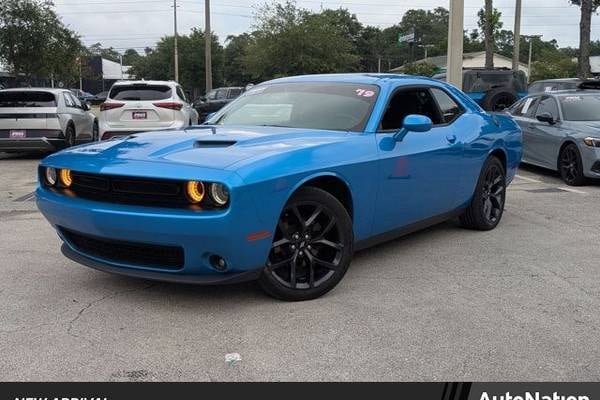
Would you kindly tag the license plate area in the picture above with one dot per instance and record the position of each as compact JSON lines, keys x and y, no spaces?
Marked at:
{"x":17,"y":134}
{"x":139,"y":115}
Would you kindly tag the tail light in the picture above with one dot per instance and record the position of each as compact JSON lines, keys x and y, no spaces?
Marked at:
{"x":110,"y":106}
{"x":170,"y":105}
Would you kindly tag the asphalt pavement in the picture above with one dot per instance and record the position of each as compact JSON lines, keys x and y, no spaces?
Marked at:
{"x":517,"y":303}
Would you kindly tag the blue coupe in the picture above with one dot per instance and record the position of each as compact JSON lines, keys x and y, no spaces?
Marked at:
{"x":284,"y":183}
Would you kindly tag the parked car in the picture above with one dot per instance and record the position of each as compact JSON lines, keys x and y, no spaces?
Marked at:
{"x":98,"y":98}
{"x":561,"y":131}
{"x":43,"y":119}
{"x":284,"y":184}
{"x":493,"y":90}
{"x":551,"y":85}
{"x":215,"y":100}
{"x":82,"y":95}
{"x":138,"y":106}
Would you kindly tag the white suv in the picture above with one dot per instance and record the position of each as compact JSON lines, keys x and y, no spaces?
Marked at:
{"x":139,"y":106}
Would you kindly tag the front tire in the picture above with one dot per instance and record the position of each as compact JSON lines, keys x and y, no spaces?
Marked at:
{"x":487,"y":206}
{"x":312,"y":247}
{"x":570,"y":166}
{"x":70,"y":136}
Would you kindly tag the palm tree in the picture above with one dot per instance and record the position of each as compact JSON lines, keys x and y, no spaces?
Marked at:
{"x":585,"y":26}
{"x":488,"y":34}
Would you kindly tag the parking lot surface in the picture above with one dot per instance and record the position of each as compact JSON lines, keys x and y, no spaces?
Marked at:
{"x":517,"y":303}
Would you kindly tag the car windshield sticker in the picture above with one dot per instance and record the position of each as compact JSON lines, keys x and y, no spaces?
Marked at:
{"x":527,"y":105}
{"x":548,"y":89}
{"x":365,"y":93}
{"x":572,"y":98}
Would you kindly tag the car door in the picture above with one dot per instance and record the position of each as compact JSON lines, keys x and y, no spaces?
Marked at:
{"x":83,"y":128}
{"x":523,"y":113}
{"x":545,"y":138}
{"x":418,"y":176}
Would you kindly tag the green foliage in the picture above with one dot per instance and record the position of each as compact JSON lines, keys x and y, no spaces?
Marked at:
{"x":420,"y":69}
{"x":158,"y":63}
{"x":595,"y":3}
{"x":289,"y":41}
{"x":552,"y":69}
{"x":107,"y":53}
{"x":35,"y":43}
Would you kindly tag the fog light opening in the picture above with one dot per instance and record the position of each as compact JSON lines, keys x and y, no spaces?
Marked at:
{"x":218,"y":262}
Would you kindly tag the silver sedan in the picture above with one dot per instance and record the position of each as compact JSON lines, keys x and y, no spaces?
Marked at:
{"x":561,"y":131}
{"x":43,"y":119}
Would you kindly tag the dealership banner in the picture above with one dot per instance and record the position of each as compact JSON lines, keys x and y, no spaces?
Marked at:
{"x":311,"y":391}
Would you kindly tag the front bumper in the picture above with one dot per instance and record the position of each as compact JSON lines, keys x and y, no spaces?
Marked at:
{"x":201,"y":234}
{"x":590,"y":157}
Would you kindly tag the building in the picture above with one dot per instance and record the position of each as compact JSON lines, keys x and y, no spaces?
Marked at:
{"x":105,"y":73}
{"x":470,"y":60}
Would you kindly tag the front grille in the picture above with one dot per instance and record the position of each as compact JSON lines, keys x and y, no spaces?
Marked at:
{"x":129,"y":190}
{"x":122,"y":252}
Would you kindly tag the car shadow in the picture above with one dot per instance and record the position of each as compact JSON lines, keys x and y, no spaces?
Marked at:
{"x":548,"y":173}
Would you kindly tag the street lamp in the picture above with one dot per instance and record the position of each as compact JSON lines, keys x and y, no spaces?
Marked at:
{"x":530,"y":38}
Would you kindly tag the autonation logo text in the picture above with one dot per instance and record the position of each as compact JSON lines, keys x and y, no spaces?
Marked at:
{"x":532,"y":396}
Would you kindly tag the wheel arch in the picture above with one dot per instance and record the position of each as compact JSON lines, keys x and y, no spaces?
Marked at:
{"x":564,"y":144}
{"x":501,"y":155}
{"x":332,"y":184}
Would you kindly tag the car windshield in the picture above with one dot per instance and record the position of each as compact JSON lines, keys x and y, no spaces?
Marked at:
{"x":27,"y":99}
{"x":581,"y":107}
{"x":331,"y":106}
{"x":140,"y":92}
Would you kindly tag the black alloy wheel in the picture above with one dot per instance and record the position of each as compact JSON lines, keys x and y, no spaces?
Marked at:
{"x":570,"y":166}
{"x":487,"y":206}
{"x":311,"y":249}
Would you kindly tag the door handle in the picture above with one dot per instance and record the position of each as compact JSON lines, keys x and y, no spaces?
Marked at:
{"x":451,"y":138}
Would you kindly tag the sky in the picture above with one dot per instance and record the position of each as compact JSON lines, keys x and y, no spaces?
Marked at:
{"x":136,"y":24}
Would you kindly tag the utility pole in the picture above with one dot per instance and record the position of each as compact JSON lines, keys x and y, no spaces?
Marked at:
{"x":379,"y":64}
{"x":530,"y":38}
{"x":207,"y":44}
{"x":176,"y":55}
{"x":455,"y":43}
{"x":517,"y":37}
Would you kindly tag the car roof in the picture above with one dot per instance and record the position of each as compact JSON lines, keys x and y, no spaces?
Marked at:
{"x":557,"y":80}
{"x":28,"y":89}
{"x":577,"y":92}
{"x":360,"y":78}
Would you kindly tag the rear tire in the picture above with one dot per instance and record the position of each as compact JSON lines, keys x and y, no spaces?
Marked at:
{"x":487,"y":206}
{"x":498,"y":99}
{"x":312,"y":247}
{"x":70,"y":136}
{"x":570,"y":166}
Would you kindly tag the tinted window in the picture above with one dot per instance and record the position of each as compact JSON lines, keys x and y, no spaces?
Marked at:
{"x":449,"y":108}
{"x":211,"y":95}
{"x":27,"y":99}
{"x":581,"y":108}
{"x":221,"y":94}
{"x":140,"y":92}
{"x":68,"y":100}
{"x":181,"y":94}
{"x":406,"y":102}
{"x":76,"y":101}
{"x":547,"y":105}
{"x":233,"y":93}
{"x":525,"y":107}
{"x":334,"y":106}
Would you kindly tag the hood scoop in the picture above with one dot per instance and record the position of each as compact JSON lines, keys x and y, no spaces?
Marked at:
{"x":209,"y":144}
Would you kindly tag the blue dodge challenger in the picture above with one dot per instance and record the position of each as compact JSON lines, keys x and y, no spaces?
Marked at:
{"x":284,"y":183}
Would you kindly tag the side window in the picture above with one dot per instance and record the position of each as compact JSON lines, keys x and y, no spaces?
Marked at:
{"x":181,"y":94}
{"x":517,"y":108}
{"x":221,"y":94}
{"x":547,"y":105}
{"x":68,"y":100}
{"x":211,"y":95}
{"x":76,"y":102}
{"x":448,"y":106}
{"x":529,"y":106}
{"x":409,"y":101}
{"x":233,"y":93}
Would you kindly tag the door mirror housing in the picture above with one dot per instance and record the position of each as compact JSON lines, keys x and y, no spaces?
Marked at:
{"x":546,"y":117}
{"x":413,"y":123}
{"x":85,"y":106}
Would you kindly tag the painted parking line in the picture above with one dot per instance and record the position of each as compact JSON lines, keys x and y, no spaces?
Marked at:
{"x":528,"y":179}
{"x":568,"y":189}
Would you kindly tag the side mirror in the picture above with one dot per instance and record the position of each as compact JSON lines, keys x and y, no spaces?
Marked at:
{"x":85,"y":106}
{"x":546,"y":117}
{"x":413,"y":123}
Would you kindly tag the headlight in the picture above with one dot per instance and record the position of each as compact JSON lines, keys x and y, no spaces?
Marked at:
{"x":219,"y":193}
{"x":194,"y":191}
{"x":66,"y":179}
{"x":50,"y":176}
{"x":592,"y":141}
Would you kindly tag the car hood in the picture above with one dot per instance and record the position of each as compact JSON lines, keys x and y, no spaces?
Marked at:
{"x":205,"y":146}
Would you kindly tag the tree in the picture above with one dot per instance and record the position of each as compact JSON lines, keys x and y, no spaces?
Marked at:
{"x":107,"y":53}
{"x":233,"y":63}
{"x":490,"y":24}
{"x":130,"y":57}
{"x":35,"y":43}
{"x":289,"y":41}
{"x":420,"y":69}
{"x":585,"y":26}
